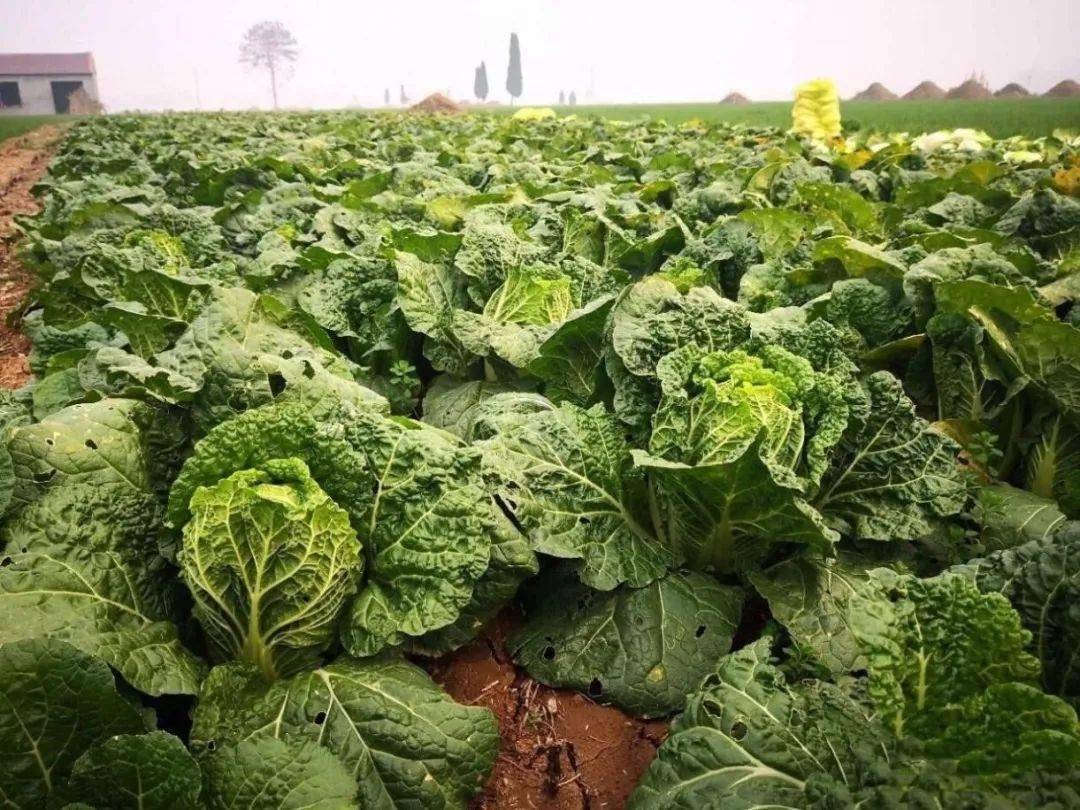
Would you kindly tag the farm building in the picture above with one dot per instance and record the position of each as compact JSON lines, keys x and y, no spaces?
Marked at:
{"x":43,"y":83}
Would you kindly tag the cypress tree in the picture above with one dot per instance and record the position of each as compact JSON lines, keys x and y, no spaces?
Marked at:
{"x":562,"y":97}
{"x":573,"y":98}
{"x":480,"y":82}
{"x":386,"y":97}
{"x":513,"y":70}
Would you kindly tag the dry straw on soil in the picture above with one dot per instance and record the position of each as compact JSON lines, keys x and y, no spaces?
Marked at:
{"x":970,"y":90}
{"x":925,"y":91}
{"x":735,"y":98}
{"x":1065,"y":89}
{"x":875,"y":92}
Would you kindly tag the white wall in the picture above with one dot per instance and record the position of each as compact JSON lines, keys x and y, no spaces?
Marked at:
{"x":36,"y":91}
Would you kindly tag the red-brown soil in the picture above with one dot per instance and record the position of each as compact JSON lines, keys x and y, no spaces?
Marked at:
{"x":23,"y":161}
{"x":560,"y":751}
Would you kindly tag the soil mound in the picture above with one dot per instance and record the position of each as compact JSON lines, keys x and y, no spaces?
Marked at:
{"x":875,"y":92}
{"x":734,"y":98}
{"x":1065,"y":89}
{"x":969,"y":90}
{"x":436,"y":103}
{"x":1012,"y":90}
{"x":559,"y":751}
{"x":924,"y":91}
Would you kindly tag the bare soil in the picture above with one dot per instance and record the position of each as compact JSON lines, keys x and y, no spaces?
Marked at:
{"x":23,"y":161}
{"x":560,"y":750}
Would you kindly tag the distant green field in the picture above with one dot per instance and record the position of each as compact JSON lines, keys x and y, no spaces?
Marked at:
{"x":999,"y":117}
{"x":10,"y":126}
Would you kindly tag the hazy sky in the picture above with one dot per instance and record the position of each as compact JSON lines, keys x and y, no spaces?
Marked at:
{"x":157,"y":55}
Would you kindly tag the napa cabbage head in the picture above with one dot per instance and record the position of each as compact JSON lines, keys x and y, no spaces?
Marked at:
{"x":413,"y":495}
{"x":738,"y":441}
{"x":717,"y":404}
{"x":957,"y":140}
{"x":165,"y":248}
{"x":271,"y":562}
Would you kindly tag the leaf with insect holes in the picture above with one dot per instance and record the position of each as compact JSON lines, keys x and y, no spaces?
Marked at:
{"x":403,"y":740}
{"x":642,"y":649}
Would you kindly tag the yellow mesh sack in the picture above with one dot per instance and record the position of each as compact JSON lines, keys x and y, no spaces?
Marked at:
{"x":817,"y":110}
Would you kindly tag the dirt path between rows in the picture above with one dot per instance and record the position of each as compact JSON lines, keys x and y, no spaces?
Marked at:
{"x":560,"y":750}
{"x":23,"y":161}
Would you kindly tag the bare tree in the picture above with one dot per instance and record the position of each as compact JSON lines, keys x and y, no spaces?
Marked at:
{"x":269,"y":45}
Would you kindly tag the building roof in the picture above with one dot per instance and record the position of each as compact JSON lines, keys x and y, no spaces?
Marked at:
{"x":46,"y":64}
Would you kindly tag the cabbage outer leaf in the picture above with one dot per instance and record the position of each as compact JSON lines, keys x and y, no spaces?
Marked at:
{"x":55,"y":703}
{"x":403,"y":740}
{"x":642,"y":649}
{"x":568,"y":476}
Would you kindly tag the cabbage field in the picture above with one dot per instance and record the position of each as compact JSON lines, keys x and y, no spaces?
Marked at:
{"x":775,"y":438}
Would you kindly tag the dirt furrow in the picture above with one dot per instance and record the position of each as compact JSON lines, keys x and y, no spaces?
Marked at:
{"x":23,"y":161}
{"x":560,"y":750}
